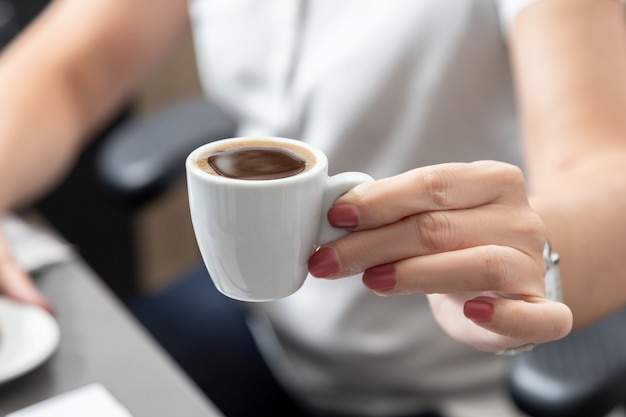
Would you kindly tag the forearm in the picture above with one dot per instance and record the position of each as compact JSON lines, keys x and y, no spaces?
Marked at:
{"x":572,"y":88}
{"x":586,"y":223}
{"x":65,"y":75}
{"x":38,"y":141}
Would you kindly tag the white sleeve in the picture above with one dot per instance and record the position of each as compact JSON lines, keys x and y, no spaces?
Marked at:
{"x":509,"y":9}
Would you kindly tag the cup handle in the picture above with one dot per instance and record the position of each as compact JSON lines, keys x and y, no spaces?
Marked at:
{"x":337,"y":185}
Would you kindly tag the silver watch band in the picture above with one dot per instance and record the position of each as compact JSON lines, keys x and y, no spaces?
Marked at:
{"x":553,"y":274}
{"x":553,"y":292}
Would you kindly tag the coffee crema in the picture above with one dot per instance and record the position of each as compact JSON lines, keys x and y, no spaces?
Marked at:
{"x":257,"y":161}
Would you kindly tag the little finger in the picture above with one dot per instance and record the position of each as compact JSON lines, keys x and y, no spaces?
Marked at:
{"x":524,"y":321}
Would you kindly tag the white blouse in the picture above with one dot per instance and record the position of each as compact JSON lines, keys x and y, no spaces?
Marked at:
{"x":382,"y":86}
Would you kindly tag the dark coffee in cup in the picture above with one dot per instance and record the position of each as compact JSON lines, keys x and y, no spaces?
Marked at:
{"x":257,"y":160}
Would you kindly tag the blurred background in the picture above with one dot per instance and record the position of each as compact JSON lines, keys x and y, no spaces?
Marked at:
{"x":136,"y":247}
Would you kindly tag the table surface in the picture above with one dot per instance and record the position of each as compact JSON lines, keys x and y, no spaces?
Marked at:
{"x":102,"y":343}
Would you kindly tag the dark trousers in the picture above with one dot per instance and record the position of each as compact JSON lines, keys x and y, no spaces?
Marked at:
{"x":207,"y":335}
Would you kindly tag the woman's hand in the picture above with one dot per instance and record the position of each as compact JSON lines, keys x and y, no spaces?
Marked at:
{"x":462,"y":233}
{"x":15,"y":283}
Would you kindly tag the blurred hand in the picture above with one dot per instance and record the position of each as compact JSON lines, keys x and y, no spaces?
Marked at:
{"x":462,"y":233}
{"x":15,"y":283}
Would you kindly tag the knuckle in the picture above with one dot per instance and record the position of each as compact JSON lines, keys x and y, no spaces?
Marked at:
{"x":508,"y":269}
{"x":432,"y":230}
{"x":511,"y":174}
{"x":512,"y":182}
{"x":539,"y":271}
{"x":533,"y":229}
{"x":533,"y":225}
{"x":437,"y":187}
{"x":498,"y":267}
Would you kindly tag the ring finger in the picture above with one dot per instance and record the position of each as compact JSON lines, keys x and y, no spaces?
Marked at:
{"x":429,"y":233}
{"x":482,"y":268}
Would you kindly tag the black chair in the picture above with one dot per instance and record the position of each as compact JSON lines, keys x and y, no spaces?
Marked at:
{"x":141,"y":159}
{"x":582,"y":375}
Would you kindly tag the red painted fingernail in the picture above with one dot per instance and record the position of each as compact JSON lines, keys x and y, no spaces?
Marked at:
{"x":344,"y":216}
{"x":382,"y":277}
{"x":324,"y":263}
{"x":479,"y":311}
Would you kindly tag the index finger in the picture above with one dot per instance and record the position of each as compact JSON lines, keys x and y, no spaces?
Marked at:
{"x":15,"y":283}
{"x":438,"y":187}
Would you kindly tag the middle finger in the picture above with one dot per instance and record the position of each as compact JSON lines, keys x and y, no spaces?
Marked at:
{"x":429,"y":233}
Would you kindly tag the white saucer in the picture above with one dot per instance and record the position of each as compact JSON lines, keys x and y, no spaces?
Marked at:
{"x":28,"y":336}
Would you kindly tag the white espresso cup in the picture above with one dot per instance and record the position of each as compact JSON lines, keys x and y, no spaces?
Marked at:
{"x":256,"y":236}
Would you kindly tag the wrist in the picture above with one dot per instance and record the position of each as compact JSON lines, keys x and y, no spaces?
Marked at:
{"x":553,"y":292}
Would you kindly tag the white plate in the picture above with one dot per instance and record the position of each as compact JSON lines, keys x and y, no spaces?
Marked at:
{"x":28,"y":336}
